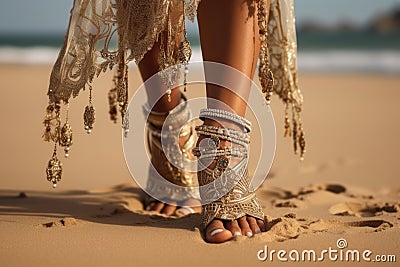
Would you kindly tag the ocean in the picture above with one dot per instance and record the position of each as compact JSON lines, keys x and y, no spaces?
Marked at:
{"x":317,"y":51}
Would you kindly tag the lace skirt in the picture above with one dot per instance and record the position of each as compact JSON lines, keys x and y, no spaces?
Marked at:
{"x":108,"y":34}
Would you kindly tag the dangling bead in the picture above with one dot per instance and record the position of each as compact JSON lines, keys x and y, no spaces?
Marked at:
{"x":89,"y":114}
{"x":66,"y":138}
{"x":125,"y":123}
{"x":169,"y":92}
{"x":51,"y":122}
{"x":89,"y":118}
{"x":54,"y":168}
{"x":185,"y":53}
{"x":66,"y":150}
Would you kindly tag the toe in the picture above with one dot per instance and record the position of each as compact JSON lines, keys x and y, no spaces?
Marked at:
{"x":184,"y":211}
{"x":244,"y":225}
{"x":262,"y":225}
{"x":233,"y":226}
{"x":150,"y":206}
{"x":216,"y":232}
{"x":253,"y":225}
{"x":195,"y":204}
{"x":168,"y":210}
{"x":158,"y":206}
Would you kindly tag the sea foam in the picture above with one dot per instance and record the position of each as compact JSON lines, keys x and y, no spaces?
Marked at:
{"x":381,"y":61}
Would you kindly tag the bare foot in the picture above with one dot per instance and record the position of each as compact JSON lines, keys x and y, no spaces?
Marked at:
{"x":219,"y":231}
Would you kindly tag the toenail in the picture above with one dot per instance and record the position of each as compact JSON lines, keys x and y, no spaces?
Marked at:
{"x":216,"y":231}
{"x":237,"y":233}
{"x":257,"y":231}
{"x":185,"y":210}
{"x":148,"y":208}
{"x":249,"y":234}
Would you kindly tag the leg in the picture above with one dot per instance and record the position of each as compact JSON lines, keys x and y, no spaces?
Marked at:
{"x":148,"y":66}
{"x":229,"y":35}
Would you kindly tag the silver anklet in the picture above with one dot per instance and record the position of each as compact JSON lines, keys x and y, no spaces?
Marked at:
{"x":226,"y":115}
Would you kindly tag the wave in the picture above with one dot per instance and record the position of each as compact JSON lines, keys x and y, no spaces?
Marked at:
{"x":381,"y":61}
{"x":384,"y":61}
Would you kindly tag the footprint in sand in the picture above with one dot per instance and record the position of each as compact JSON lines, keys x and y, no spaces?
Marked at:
{"x":290,"y":227}
{"x":290,"y":203}
{"x":364,"y":209}
{"x":294,"y":199}
{"x":66,"y":222}
{"x":334,"y":226}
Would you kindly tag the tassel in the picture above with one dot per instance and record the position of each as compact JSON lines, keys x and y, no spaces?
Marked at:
{"x":89,"y":114}
{"x":66,"y":138}
{"x":122,"y":86}
{"x":265,"y":74}
{"x":112,"y":100}
{"x":89,"y":118}
{"x":302,"y":143}
{"x":66,"y":135}
{"x":51,"y":122}
{"x":288,"y":132}
{"x":294,"y":134}
{"x":185,"y":53}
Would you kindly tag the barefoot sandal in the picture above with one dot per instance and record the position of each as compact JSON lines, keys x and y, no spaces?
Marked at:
{"x":168,"y":159}
{"x":224,"y":189}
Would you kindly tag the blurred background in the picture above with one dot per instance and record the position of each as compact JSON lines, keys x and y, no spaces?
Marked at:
{"x":340,"y":35}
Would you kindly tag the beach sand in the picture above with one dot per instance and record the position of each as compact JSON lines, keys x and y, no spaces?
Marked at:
{"x":346,"y":188}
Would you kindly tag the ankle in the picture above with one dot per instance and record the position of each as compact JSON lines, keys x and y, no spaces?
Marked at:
{"x":225,"y":119}
{"x":165,"y":103}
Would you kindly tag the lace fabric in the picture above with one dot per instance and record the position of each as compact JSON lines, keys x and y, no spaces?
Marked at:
{"x":282,"y":48}
{"x":96,"y":25}
{"x":107,"y":33}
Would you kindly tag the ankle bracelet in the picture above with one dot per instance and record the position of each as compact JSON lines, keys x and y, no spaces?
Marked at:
{"x":226,"y":115}
{"x":227,"y":134}
{"x":178,"y":116}
{"x":237,"y":152}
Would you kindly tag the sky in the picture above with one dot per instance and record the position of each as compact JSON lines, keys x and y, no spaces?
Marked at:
{"x":41,"y":16}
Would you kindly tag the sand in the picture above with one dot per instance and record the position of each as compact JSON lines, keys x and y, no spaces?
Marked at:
{"x":347,"y":188}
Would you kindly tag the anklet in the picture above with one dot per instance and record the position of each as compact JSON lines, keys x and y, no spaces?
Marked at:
{"x":226,"y":151}
{"x":226,"y":132}
{"x":178,"y":116}
{"x":218,"y":133}
{"x":223,"y":114}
